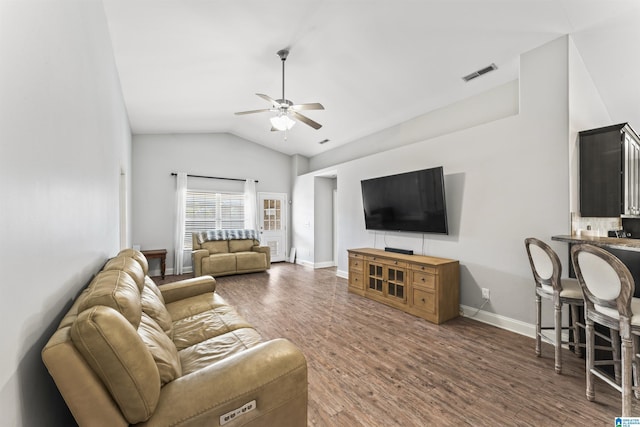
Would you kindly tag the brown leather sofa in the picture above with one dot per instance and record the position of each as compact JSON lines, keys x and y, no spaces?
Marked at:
{"x":130,"y":352}
{"x":225,"y":252}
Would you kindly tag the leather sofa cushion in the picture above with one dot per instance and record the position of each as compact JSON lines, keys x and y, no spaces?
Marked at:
{"x":241,"y":245}
{"x":216,"y":246}
{"x":155,"y":308}
{"x":115,"y":352}
{"x":208,"y":324}
{"x":219,"y":263}
{"x":251,"y":260}
{"x":138,"y":256}
{"x":215,"y":349}
{"x":162,"y":349}
{"x":115,"y":289}
{"x":192,"y":305}
{"x":149,"y":283}
{"x":72,"y":314}
{"x":129,"y":266}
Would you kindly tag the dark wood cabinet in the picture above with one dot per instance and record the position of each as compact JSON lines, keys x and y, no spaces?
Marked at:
{"x":609,"y":172}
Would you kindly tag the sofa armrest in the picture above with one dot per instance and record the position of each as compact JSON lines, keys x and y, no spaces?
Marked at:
{"x":265,"y":250}
{"x":187,"y":288}
{"x":273,"y":374}
{"x":196,"y":259}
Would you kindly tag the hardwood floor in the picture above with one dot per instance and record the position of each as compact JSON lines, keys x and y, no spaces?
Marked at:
{"x":371,"y":365}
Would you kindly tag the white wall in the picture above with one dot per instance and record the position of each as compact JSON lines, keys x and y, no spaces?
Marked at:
{"x":323,"y":220}
{"x":486,"y":107}
{"x":302,"y":219}
{"x":586,"y":111}
{"x":155,"y":157}
{"x":64,"y":141}
{"x":505,"y":180}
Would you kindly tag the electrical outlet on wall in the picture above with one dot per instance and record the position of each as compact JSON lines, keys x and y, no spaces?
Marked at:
{"x":485,"y":293}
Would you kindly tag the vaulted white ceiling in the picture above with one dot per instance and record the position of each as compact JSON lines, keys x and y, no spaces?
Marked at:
{"x":187,"y":65}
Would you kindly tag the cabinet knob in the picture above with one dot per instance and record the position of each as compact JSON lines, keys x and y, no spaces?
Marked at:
{"x":422,"y":279}
{"x":423,"y":300}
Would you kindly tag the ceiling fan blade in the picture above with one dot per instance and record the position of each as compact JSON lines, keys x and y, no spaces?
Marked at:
{"x":310,"y":106}
{"x":252,"y":111}
{"x":306,"y":120}
{"x":269,"y":99}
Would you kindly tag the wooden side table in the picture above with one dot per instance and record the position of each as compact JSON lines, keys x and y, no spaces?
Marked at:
{"x":157,"y":253}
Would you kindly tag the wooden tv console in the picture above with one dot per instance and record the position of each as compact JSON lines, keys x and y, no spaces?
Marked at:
{"x":424,"y":286}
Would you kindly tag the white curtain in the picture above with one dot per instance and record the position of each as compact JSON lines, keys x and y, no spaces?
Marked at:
{"x":181,"y":202}
{"x":250,"y":211}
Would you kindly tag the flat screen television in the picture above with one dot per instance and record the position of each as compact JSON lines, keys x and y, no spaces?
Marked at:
{"x":411,"y":201}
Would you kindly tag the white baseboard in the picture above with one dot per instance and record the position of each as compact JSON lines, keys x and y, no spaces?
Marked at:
{"x":343,"y":274}
{"x":506,"y":323}
{"x":315,"y":264}
{"x":324,"y":264}
{"x":305,"y":263}
{"x":502,"y":322}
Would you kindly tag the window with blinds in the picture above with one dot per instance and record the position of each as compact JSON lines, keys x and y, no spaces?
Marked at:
{"x":207,"y":210}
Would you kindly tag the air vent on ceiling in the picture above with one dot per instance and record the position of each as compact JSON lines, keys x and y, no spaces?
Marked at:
{"x":478,"y":73}
{"x":324,"y":141}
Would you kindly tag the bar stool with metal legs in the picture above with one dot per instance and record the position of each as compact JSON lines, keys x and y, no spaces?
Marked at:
{"x":608,"y":288}
{"x":547,"y":272}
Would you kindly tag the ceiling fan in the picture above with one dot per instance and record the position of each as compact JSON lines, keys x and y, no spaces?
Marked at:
{"x":286,"y":111}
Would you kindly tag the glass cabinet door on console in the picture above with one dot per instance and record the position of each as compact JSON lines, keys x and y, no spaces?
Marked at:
{"x":395,"y":284}
{"x":387,"y":279}
{"x":376,"y":278}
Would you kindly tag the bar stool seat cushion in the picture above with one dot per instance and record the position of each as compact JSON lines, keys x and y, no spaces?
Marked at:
{"x":570,"y":289}
{"x":613,"y":313}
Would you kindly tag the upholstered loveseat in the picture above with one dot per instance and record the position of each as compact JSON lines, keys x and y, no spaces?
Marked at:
{"x":130,"y":352}
{"x":224,"y":252}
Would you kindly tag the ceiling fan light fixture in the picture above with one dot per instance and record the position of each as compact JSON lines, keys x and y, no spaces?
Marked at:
{"x":286,"y":111}
{"x":282,"y":122}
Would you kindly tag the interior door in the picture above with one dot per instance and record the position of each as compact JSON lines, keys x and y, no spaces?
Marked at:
{"x":273,"y":223}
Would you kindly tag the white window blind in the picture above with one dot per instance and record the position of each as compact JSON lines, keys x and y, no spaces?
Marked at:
{"x":206,"y":210}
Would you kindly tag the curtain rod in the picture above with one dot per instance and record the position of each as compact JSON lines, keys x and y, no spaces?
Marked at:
{"x":212,"y":177}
